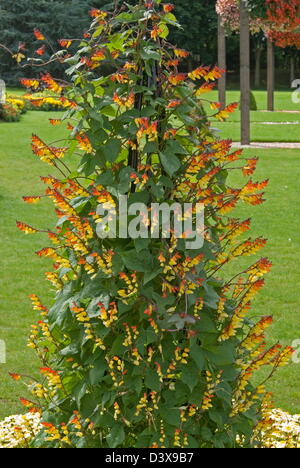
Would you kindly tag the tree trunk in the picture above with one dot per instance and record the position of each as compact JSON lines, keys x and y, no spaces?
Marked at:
{"x":293,"y":69}
{"x":222,"y":62}
{"x":258,"y":53}
{"x":271,"y":75}
{"x":245,"y":73}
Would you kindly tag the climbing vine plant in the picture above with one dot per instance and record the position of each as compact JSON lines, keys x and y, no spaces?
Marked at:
{"x":146,"y":344}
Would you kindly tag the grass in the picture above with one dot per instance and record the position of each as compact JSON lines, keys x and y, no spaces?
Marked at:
{"x":265,"y":116}
{"x":278,"y":221}
{"x":22,"y":271}
{"x":15,"y":91}
{"x":283,"y":99}
{"x":259,"y":131}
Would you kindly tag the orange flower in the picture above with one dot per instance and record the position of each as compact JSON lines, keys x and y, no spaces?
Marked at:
{"x":96,"y":13}
{"x":172,"y":63}
{"x":44,"y":152}
{"x":15,"y":376}
{"x":250,"y":167}
{"x":176,"y":79}
{"x":65,"y":43}
{"x":119,"y":78}
{"x":155,"y":32}
{"x":224,"y":113}
{"x":26,"y":403}
{"x":26,"y":228}
{"x":168,"y":7}
{"x":181,"y":53}
{"x":51,"y":83}
{"x":249,"y":247}
{"x":214,"y":74}
{"x":55,"y":122}
{"x":41,"y":50}
{"x":98,"y":55}
{"x":174,"y":103}
{"x":146,"y":128}
{"x":171,"y":132}
{"x":200,"y":72}
{"x":47,"y":425}
{"x":28,"y":83}
{"x":31,"y":200}
{"x":205,"y":88}
{"x":84,"y":143}
{"x":126,"y":101}
{"x":39,"y":36}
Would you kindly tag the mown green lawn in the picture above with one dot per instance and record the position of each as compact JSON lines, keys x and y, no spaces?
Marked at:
{"x":283,"y":99}
{"x":22,"y":271}
{"x":259,"y":131}
{"x":265,"y":116}
{"x":278,"y":220}
{"x":287,"y":124}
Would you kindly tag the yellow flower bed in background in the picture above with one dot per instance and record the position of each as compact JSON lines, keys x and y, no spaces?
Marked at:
{"x":36,"y":101}
{"x":277,"y":430}
{"x":42,"y":102}
{"x":16,"y":102}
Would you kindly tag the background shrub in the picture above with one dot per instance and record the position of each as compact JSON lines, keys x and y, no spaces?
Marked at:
{"x":10,"y":112}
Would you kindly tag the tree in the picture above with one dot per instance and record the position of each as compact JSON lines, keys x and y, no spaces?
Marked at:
{"x":199,"y":29}
{"x":222,"y":61}
{"x":278,"y":20}
{"x":21,"y":17}
{"x":245,"y":72}
{"x":146,"y":343}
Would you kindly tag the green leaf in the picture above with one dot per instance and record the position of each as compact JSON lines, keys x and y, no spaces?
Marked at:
{"x":151,"y":147}
{"x":112,"y":150}
{"x":171,"y":416}
{"x":150,"y":275}
{"x":211,"y":298}
{"x":163,"y":30}
{"x":138,"y":261}
{"x":152,"y":380}
{"x":117,"y":346}
{"x":221,"y":355}
{"x":96,"y":374}
{"x":141,"y":244}
{"x":206,"y":433}
{"x":173,"y":146}
{"x":189,"y":376}
{"x":70,"y":350}
{"x":116,"y":436}
{"x":147,"y":54}
{"x":216,"y":416}
{"x":198,"y":356}
{"x":170,"y":163}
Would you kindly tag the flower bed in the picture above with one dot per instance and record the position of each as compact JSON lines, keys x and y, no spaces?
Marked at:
{"x":42,"y":102}
{"x":278,"y":430}
{"x":17,"y":431}
{"x":17,"y":105}
{"x":9,"y":112}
